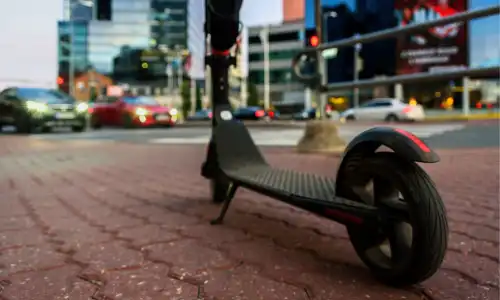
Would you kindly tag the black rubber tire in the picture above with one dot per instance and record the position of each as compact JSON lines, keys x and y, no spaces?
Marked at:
{"x":391,"y":118}
{"x":218,"y":190}
{"x":24,"y":125}
{"x":95,"y":123}
{"x":46,"y":129}
{"x":127,"y":121}
{"x":350,"y":118}
{"x":427,"y":217}
{"x":80,"y":128}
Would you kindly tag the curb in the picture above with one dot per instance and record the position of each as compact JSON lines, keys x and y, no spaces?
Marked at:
{"x":458,"y":118}
{"x":251,"y":124}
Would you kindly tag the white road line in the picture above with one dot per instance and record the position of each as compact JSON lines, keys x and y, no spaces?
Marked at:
{"x":292,"y":136}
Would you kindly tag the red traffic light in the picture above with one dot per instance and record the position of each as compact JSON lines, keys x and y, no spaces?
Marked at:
{"x":60,"y":80}
{"x":314,"y":41}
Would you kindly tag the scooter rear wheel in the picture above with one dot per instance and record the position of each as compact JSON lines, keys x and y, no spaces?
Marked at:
{"x":403,"y":252}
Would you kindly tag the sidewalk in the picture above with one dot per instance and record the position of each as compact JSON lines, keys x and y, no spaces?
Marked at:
{"x":84,"y":219}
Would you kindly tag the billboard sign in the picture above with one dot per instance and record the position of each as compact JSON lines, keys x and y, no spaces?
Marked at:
{"x":438,"y":48}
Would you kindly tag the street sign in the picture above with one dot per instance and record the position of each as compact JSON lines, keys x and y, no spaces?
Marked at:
{"x":114,"y":91}
{"x":330,"y":53}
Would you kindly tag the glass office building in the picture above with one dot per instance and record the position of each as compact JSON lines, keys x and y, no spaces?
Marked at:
{"x":129,"y":35}
{"x":73,"y":44}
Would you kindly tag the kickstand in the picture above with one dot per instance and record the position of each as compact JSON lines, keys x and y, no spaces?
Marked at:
{"x":227,"y":201}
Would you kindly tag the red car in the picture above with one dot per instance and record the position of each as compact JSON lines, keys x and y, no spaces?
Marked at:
{"x":129,"y":112}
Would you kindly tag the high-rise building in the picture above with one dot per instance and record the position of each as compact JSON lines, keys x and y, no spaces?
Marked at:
{"x":285,"y":41}
{"x":293,"y":10}
{"x":73,"y":45}
{"x":134,"y":36}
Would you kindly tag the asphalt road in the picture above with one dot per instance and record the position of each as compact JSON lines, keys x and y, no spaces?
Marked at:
{"x":441,"y":135}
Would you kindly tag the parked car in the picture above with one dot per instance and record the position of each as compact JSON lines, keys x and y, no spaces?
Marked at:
{"x":306,"y":114}
{"x":254,"y":113}
{"x":201,"y":115}
{"x":129,"y":112}
{"x":390,"y":110}
{"x":30,"y":109}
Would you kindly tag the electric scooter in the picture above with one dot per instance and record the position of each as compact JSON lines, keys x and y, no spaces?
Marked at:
{"x":394,"y":215}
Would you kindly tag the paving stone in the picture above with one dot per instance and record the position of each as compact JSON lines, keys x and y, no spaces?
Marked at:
{"x":148,"y":234}
{"x":58,"y":284}
{"x":188,"y":258}
{"x":108,"y":257}
{"x":149,"y":282}
{"x":29,"y":259}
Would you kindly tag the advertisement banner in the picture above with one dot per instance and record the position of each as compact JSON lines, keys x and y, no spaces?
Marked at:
{"x":440,"y":48}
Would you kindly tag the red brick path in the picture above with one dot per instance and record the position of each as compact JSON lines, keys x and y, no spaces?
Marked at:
{"x":87,"y":220}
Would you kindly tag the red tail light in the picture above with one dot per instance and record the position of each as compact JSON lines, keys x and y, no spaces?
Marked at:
{"x":407,"y":109}
{"x":210,"y":115}
{"x":479,"y":105}
{"x":489,"y":106}
{"x":260,"y":113}
{"x":90,"y":110}
{"x":271,"y":114}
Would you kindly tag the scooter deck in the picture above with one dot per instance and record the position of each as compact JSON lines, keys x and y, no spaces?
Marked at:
{"x":241,"y":161}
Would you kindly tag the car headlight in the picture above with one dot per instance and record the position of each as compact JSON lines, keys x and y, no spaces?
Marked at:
{"x":173,"y":112}
{"x":305,"y":114}
{"x":82,"y":107}
{"x":141,"y":111}
{"x":36,"y":106}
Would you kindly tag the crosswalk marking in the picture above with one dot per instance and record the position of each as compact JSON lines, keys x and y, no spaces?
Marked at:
{"x":290,"y":137}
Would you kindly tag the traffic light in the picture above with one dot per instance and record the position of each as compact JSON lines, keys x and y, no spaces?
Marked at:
{"x":60,"y":80}
{"x":311,"y":38}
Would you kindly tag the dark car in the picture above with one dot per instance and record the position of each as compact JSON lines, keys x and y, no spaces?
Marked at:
{"x":29,"y":109}
{"x":201,"y":115}
{"x":254,"y":113}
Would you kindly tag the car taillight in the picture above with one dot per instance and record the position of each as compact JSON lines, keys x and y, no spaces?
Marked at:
{"x":210,"y":115}
{"x":90,"y":110}
{"x":407,"y":109}
{"x":260,"y":113}
{"x":271,"y":114}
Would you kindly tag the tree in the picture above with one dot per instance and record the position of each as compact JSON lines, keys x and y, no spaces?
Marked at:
{"x":93,"y":94}
{"x":253,"y":95}
{"x":199,"y":104}
{"x":186,"y":97}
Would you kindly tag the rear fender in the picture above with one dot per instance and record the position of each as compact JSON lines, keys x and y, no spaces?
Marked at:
{"x":403,"y":143}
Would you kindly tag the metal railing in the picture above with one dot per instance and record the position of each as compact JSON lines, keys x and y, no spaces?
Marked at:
{"x":320,"y":76}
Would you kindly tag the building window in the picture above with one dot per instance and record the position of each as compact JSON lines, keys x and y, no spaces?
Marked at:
{"x":284,"y":37}
{"x":277,"y":76}
{"x":273,"y":55}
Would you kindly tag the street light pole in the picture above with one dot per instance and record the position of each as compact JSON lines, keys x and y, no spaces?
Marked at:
{"x":71,"y":65}
{"x":264,"y":37}
{"x":357,"y":49}
{"x":322,"y":97}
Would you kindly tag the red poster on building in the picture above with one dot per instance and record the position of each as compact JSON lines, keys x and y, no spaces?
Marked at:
{"x":442,"y":47}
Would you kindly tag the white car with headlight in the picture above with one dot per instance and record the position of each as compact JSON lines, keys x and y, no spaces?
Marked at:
{"x":384,"y":109}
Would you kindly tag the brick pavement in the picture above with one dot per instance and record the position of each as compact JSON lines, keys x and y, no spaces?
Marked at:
{"x":89,"y":220}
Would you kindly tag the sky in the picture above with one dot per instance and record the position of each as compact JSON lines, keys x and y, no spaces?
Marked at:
{"x":29,"y":52}
{"x":28,"y":43}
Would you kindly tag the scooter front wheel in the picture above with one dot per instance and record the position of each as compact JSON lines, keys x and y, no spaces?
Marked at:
{"x":399,"y":252}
